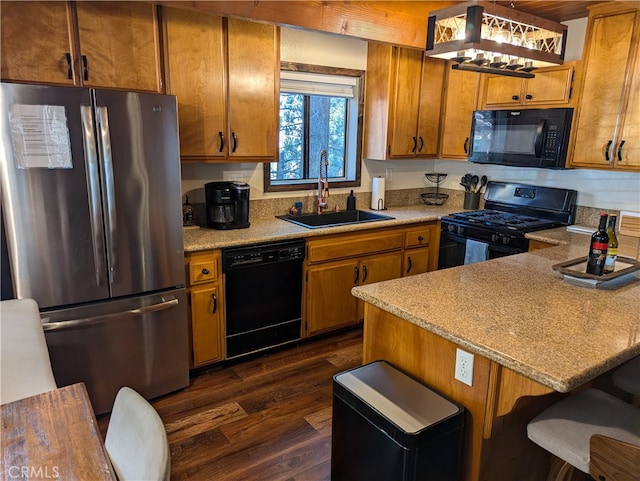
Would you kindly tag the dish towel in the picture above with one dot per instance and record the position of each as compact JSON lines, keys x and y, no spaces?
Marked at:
{"x":475,"y":251}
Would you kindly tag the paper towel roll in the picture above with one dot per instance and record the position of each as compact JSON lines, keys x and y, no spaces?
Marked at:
{"x":377,"y":193}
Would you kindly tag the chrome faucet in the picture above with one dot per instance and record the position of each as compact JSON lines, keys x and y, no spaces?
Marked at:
{"x":323,"y":184}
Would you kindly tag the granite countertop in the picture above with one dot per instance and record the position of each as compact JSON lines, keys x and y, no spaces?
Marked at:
{"x":520,"y":313}
{"x":271,"y":229}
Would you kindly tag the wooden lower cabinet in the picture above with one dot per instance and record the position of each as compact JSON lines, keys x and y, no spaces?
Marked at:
{"x":205,"y":291}
{"x":336,"y":264}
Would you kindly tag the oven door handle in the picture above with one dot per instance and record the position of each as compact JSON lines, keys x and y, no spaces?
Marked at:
{"x":541,"y":135}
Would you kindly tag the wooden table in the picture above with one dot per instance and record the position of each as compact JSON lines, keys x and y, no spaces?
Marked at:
{"x":53,"y":435}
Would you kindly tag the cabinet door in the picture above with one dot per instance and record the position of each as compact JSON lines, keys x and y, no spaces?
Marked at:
{"x":119,"y":45}
{"x":459,"y":104}
{"x":35,"y":42}
{"x":206,"y":324}
{"x":407,"y":71}
{"x":430,"y":104}
{"x":502,"y":91}
{"x":628,"y":154}
{"x":254,"y":90}
{"x":196,"y":64}
{"x":604,"y":79}
{"x":416,"y":261}
{"x":381,"y":267}
{"x":329,"y":302}
{"x":551,"y":86}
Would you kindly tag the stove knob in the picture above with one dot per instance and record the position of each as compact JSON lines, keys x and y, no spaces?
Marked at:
{"x":494,"y":237}
{"x":506,"y":239}
{"x":451,"y":227}
{"x":460,"y":230}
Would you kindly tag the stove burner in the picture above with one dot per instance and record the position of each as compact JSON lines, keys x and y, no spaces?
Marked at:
{"x":505,"y":220}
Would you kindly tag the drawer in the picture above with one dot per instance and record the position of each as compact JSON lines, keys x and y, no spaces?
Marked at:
{"x":418,"y":236}
{"x":353,"y":245}
{"x":202,"y":268}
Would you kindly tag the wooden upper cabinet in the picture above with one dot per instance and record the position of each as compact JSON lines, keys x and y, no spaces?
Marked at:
{"x":402,"y":103}
{"x":608,"y":119}
{"x":254,"y":90}
{"x":119,"y":45}
{"x":460,"y":97}
{"x":35,"y":42}
{"x":226,"y":75}
{"x":95,"y":44}
{"x":551,"y":87}
{"x":196,"y":46}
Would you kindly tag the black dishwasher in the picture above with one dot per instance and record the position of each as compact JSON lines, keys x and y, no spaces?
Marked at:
{"x":263,"y":296}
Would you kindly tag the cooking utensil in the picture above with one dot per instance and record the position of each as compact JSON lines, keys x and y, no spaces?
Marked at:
{"x":474,"y":183}
{"x":465,"y":183}
{"x":483,"y":182}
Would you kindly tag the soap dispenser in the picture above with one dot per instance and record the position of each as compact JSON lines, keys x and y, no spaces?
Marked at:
{"x":351,"y":201}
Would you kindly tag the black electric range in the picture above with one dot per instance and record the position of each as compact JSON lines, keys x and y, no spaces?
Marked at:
{"x":511,"y":211}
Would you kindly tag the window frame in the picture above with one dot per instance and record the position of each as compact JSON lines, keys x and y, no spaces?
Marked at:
{"x":324,"y":70}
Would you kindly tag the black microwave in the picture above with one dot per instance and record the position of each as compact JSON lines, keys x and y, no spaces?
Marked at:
{"x":521,"y":138}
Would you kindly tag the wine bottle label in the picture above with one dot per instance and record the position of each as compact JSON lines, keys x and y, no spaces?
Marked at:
{"x":601,"y":246}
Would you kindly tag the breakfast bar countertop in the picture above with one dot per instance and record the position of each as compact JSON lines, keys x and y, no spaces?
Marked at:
{"x":520,"y":313}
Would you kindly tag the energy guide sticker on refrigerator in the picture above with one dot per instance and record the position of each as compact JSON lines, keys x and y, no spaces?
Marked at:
{"x":40,"y":136}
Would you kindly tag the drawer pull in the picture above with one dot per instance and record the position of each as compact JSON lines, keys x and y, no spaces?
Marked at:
{"x":205,"y":271}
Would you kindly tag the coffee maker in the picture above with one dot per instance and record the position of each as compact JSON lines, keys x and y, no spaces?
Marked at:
{"x":227,"y":205}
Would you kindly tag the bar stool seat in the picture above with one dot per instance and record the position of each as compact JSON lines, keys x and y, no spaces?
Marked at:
{"x":565,"y":428}
{"x":627,"y":377}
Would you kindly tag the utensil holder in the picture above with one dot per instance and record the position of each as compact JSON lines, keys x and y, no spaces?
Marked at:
{"x":471,"y":200}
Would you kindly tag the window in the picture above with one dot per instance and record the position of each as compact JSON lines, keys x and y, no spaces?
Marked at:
{"x":320,"y":109}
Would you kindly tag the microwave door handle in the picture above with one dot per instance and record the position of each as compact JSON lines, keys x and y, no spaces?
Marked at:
{"x":541,"y":134}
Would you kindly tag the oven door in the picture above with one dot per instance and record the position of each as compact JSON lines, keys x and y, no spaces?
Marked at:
{"x":453,"y":248}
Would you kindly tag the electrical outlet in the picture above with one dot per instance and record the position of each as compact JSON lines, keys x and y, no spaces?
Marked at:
{"x":464,"y":367}
{"x":388,"y":173}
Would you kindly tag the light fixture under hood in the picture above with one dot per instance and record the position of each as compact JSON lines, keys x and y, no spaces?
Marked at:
{"x":489,"y":38}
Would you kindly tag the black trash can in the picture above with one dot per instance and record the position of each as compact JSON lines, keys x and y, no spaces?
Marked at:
{"x":387,"y":426}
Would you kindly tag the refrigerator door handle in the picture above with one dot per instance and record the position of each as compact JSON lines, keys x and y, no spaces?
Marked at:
{"x":109,"y":184}
{"x":87,"y":321}
{"x":93,"y":182}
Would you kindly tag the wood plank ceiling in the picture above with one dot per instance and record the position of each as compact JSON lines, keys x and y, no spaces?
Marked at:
{"x":559,"y":11}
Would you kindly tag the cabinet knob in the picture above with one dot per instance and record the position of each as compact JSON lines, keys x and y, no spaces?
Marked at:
{"x":205,"y":271}
{"x":528,"y":96}
{"x":515,"y":97}
{"x":420,"y":238}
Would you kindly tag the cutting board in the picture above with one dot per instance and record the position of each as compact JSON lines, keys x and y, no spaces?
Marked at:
{"x":630,"y":223}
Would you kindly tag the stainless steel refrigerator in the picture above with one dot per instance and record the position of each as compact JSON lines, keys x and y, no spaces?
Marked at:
{"x":92,"y":215}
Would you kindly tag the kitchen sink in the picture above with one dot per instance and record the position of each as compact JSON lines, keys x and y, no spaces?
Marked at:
{"x":332,"y":219}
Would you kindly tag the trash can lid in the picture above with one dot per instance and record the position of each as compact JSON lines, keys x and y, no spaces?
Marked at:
{"x":402,"y":400}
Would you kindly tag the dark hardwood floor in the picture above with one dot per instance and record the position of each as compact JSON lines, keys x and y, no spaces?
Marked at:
{"x":263,"y":419}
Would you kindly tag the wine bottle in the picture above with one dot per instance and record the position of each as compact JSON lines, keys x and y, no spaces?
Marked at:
{"x":612,"y":250}
{"x":598,"y":248}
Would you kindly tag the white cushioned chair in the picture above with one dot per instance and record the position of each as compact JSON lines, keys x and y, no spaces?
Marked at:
{"x":136,"y":439}
{"x":566,"y":430}
{"x":25,"y":367}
